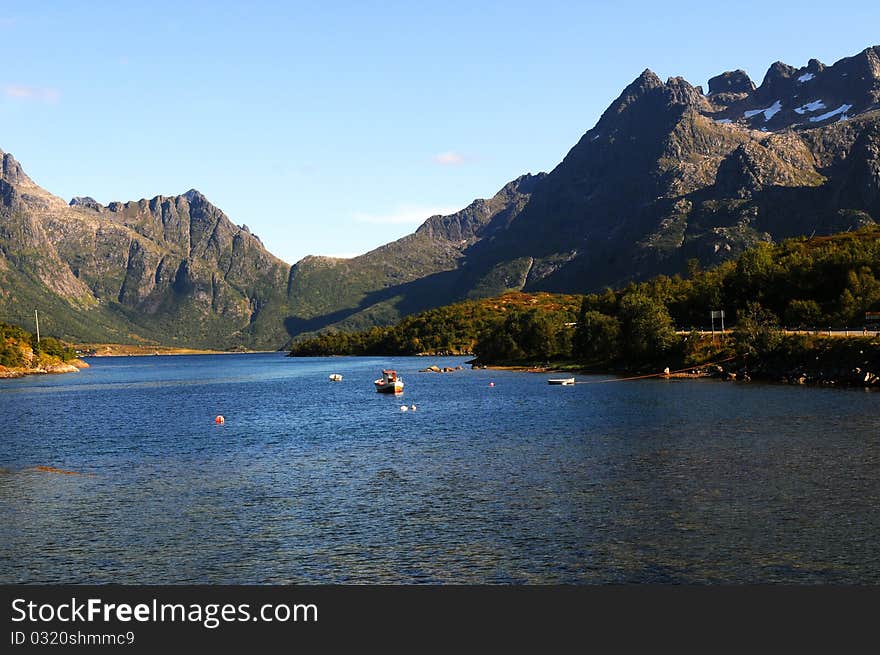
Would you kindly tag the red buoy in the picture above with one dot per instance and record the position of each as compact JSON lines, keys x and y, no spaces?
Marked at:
{"x":219,"y":419}
{"x":491,"y":384}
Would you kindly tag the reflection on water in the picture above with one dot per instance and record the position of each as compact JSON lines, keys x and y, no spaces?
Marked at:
{"x":523,"y":482}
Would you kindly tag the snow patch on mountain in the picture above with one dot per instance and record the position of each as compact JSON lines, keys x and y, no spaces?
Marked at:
{"x":816,"y":105}
{"x":834,"y":112}
{"x":769,"y":112}
{"x":806,"y":77}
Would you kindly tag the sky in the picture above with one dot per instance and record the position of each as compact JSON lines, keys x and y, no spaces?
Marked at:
{"x":331,"y":128}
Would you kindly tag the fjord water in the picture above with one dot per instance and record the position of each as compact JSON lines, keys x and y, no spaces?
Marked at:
{"x":311,"y":481}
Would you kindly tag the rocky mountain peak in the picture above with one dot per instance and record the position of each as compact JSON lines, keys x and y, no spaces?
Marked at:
{"x":10,"y":170}
{"x":647,"y":98}
{"x":86,"y":201}
{"x":873,"y":57}
{"x":815,"y":66}
{"x":638,"y":88}
{"x":647,"y":79}
{"x":523,"y":184}
{"x":679,"y":91}
{"x":483,"y":215}
{"x":736,"y":81}
{"x":194,"y":196}
{"x":776,"y":77}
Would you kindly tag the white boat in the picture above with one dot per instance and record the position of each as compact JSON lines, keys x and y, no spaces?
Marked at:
{"x":336,"y":377}
{"x":565,"y":381}
{"x":390,"y":382}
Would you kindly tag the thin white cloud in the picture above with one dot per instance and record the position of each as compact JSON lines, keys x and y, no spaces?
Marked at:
{"x":21,"y":92}
{"x":450,"y":158}
{"x":402,"y":215}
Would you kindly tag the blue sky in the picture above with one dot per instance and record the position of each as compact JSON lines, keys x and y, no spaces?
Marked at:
{"x":331,"y":128}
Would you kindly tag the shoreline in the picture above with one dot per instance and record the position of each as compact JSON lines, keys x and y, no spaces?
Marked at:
{"x":694,"y":374}
{"x":71,"y":366}
{"x":133,"y":350}
{"x":792,"y":372}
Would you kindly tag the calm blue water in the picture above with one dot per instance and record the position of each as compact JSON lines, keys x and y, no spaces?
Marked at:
{"x":310,"y":481}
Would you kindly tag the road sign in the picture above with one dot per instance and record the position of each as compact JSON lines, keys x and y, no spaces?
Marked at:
{"x":717,"y":313}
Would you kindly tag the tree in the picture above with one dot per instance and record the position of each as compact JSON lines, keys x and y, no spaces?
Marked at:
{"x":54,"y":347}
{"x":862,"y":292}
{"x":753,"y":271}
{"x":756,"y":332}
{"x":10,"y":353}
{"x":597,"y":336}
{"x":646,"y":329}
{"x":498,"y":345}
{"x":540,"y":334}
{"x":803,"y":314}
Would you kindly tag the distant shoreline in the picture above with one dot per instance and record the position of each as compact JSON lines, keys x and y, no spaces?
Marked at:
{"x":131,"y":350}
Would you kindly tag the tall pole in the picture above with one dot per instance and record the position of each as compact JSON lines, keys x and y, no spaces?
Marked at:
{"x":37,"y":321}
{"x":712,"y":316}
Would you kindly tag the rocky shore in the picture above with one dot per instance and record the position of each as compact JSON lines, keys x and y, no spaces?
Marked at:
{"x":815,"y":360}
{"x":797,"y":359}
{"x":806,"y":374}
{"x":71,"y":366}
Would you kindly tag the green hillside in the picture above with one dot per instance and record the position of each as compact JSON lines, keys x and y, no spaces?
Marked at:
{"x":453,"y":329}
{"x":801,"y":284}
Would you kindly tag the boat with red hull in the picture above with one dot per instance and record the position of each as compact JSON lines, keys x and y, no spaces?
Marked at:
{"x":390,"y":382}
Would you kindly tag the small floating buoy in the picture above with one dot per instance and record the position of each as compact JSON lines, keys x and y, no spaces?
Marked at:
{"x":491,"y":384}
{"x":403,"y":408}
{"x":219,"y":420}
{"x":412,"y":407}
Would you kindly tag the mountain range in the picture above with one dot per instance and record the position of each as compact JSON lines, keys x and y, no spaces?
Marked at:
{"x":670,"y":172}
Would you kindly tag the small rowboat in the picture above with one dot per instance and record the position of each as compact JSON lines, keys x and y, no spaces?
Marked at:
{"x":565,"y":381}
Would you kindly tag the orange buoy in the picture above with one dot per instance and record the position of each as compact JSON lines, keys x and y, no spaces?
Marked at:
{"x":219,"y":420}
